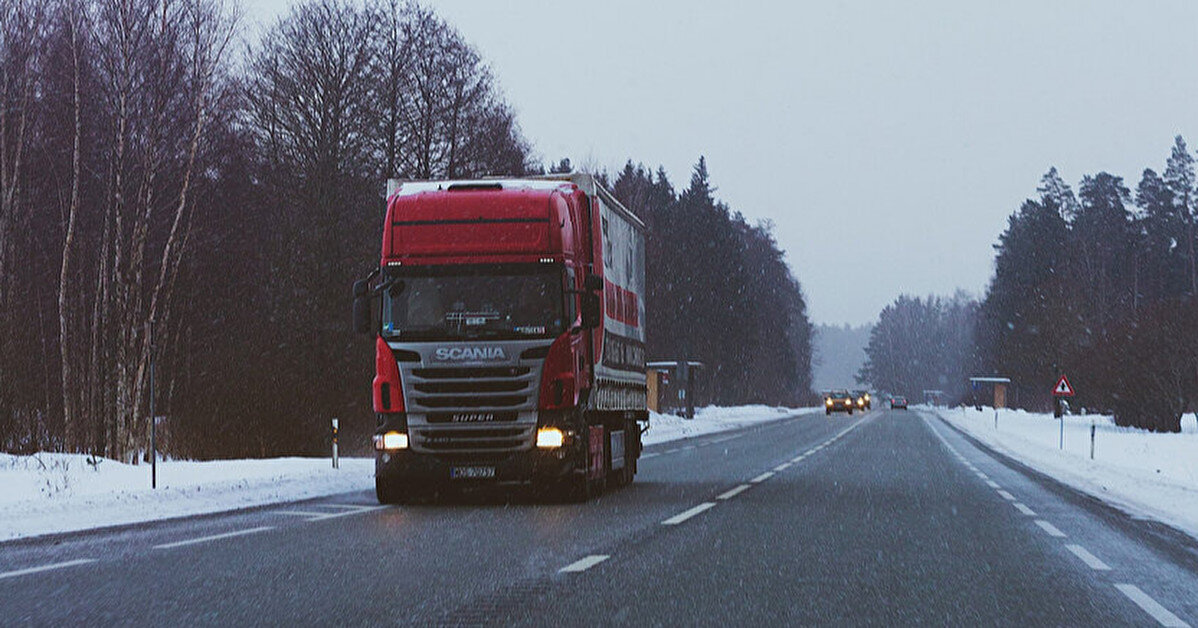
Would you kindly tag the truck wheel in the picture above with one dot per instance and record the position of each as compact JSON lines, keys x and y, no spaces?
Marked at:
{"x":572,"y":489}
{"x":850,"y":412}
{"x":388,"y":490}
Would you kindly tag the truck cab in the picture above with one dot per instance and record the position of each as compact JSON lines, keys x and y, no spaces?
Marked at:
{"x":502,"y":350}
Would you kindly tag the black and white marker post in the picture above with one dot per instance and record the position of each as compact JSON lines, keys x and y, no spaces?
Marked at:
{"x":335,"y":465}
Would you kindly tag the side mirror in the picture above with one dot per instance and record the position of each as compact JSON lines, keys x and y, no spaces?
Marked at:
{"x":591,"y":312}
{"x":362,"y":307}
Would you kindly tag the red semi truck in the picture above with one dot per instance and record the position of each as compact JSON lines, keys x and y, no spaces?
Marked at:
{"x":509,"y":338}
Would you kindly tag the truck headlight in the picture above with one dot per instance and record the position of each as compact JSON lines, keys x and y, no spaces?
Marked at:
{"x":828,"y":401}
{"x":550,"y":438}
{"x":391,"y":441}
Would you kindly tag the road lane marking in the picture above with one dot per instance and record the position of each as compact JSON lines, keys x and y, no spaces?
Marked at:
{"x":734,"y":492}
{"x":214,"y":537}
{"x":321,"y":516}
{"x":687,"y":514}
{"x":782,"y":467}
{"x":1025,"y":510}
{"x":1151,"y":606}
{"x":1086,"y":557}
{"x":645,"y":456}
{"x":763,"y":477}
{"x":1050,"y":529}
{"x":1005,"y":495}
{"x":992,"y":484}
{"x":584,"y":564}
{"x":51,"y":567}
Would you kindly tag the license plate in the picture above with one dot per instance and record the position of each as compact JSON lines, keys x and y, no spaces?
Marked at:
{"x":472,"y":473}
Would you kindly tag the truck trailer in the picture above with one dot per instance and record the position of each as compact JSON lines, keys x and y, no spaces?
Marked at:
{"x":508,"y":318}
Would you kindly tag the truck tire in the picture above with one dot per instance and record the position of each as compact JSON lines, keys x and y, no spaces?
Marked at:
{"x":572,"y":489}
{"x":388,"y":490}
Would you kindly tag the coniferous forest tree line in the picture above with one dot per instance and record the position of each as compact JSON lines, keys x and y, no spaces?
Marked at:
{"x":1098,"y":285}
{"x":158,"y":165}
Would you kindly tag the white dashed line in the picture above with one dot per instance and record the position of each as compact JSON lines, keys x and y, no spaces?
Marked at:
{"x":584,"y":564}
{"x":1005,"y":495}
{"x":687,"y":514}
{"x":647,"y":456}
{"x":734,"y":492}
{"x":1151,"y":606}
{"x":1091,"y":560}
{"x":782,"y":467}
{"x":1050,"y":529}
{"x":1025,"y":510}
{"x":52,"y":567}
{"x":983,"y":476}
{"x":992,"y":484}
{"x":763,"y":477}
{"x":215,"y":537}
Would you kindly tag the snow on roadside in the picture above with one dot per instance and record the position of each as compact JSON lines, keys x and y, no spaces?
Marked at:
{"x":1143,"y":473}
{"x":51,"y":493}
{"x":668,"y":427}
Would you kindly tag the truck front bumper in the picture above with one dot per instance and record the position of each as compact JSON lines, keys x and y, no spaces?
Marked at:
{"x":421,"y":469}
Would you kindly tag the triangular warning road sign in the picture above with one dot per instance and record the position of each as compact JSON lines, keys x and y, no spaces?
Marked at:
{"x":1063,"y":389}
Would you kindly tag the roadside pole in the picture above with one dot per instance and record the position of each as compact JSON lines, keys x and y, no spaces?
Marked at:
{"x":153,"y":418}
{"x":1091,"y":440}
{"x":1059,"y":392}
{"x":335,"y":462}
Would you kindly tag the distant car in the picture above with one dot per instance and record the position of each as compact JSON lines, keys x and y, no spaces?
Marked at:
{"x":839,"y":401}
{"x":898,"y":403}
{"x":863,"y":400}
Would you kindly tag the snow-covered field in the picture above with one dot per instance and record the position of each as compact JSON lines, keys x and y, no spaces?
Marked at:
{"x":50,"y":493}
{"x":1145,"y":474}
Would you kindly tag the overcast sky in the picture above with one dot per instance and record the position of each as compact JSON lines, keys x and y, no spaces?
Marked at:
{"x":887,"y":141}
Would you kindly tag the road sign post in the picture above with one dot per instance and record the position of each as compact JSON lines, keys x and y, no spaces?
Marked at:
{"x":1061,"y":390}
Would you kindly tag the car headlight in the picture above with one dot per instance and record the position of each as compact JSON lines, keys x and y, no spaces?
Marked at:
{"x":550,"y":438}
{"x":828,"y":401}
{"x":391,"y":441}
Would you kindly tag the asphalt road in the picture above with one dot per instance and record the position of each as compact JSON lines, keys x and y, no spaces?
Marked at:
{"x":887,"y":518}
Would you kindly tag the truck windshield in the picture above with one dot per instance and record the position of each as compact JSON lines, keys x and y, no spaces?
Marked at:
{"x":439,"y":303}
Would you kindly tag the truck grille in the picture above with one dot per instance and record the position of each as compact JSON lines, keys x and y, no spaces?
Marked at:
{"x":480,"y":439}
{"x":500,"y":388}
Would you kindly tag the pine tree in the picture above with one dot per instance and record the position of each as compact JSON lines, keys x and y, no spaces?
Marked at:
{"x":1179,"y":178}
{"x":1052,"y":186}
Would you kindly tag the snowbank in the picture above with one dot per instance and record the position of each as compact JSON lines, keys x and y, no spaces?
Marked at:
{"x":51,"y":493}
{"x":668,"y":427}
{"x":1143,"y":473}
